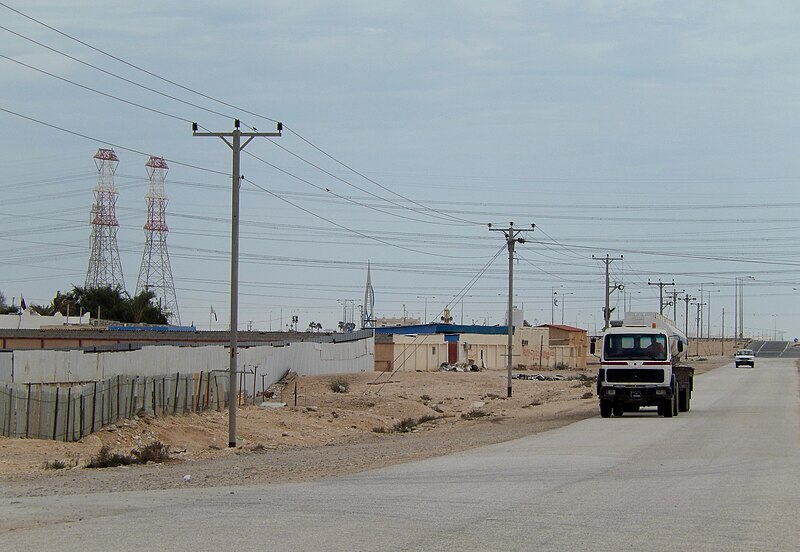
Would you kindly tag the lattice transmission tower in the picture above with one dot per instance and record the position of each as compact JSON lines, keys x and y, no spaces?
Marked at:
{"x":155,"y":274}
{"x":105,"y":268}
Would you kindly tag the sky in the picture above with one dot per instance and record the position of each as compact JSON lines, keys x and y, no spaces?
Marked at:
{"x":659,"y":132}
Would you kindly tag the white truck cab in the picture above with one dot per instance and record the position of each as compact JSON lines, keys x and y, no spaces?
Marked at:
{"x":640,"y":366}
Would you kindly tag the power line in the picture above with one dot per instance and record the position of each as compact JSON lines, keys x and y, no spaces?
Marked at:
{"x":287,"y":173}
{"x":109,"y":73}
{"x":112,"y":144}
{"x":206,"y":96}
{"x":356,"y":232}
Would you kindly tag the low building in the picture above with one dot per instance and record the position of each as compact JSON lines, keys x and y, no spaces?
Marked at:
{"x":28,"y":320}
{"x":568,"y":345}
{"x":427,"y":347}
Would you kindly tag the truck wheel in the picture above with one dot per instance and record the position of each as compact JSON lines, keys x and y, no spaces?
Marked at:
{"x":618,"y":409}
{"x":605,"y":408}
{"x":683,"y":400}
{"x":675,"y":398}
{"x":668,"y":408}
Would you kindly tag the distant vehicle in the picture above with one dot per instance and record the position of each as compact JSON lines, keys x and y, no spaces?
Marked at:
{"x":640,"y":365}
{"x":745,"y":357}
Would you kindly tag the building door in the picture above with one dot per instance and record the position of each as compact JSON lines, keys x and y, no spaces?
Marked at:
{"x":452,"y":352}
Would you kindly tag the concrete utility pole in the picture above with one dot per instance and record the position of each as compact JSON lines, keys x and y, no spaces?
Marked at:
{"x":700,"y":306}
{"x":675,"y":300}
{"x":607,"y":308}
{"x":512,"y":237}
{"x":236,"y":146}
{"x":660,"y":285}
{"x":687,"y":299}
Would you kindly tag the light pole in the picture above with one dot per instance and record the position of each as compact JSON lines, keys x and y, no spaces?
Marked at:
{"x":627,"y":300}
{"x":462,"y":307}
{"x":708,"y":310}
{"x":426,"y":297}
{"x":563,"y":300}
{"x":740,"y":300}
{"x":553,"y":303}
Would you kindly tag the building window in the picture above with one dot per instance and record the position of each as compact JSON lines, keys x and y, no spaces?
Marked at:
{"x":524,"y":342}
{"x":433,"y":350}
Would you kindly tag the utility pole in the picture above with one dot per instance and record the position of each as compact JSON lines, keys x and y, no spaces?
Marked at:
{"x":607,"y":308}
{"x":675,"y":300}
{"x":700,"y":306}
{"x":236,"y":146}
{"x":660,"y":285}
{"x":512,"y":237}
{"x":735,"y":308}
{"x":687,"y":299}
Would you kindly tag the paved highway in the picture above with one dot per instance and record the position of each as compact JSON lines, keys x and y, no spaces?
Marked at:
{"x":725,"y":476}
{"x":773,"y":349}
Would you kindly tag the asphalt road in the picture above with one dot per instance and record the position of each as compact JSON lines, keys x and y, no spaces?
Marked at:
{"x":775,"y":349}
{"x":725,"y":476}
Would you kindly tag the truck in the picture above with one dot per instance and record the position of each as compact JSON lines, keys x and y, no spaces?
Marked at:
{"x":640,"y":365}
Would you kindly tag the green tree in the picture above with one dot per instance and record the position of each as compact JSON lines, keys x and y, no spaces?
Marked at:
{"x":4,"y":307}
{"x":111,"y":304}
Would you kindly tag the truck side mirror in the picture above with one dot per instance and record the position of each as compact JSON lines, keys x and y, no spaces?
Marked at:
{"x":592,"y":346}
{"x":680,"y":346}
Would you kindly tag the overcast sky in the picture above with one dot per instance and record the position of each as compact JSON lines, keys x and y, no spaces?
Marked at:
{"x":663,"y":132}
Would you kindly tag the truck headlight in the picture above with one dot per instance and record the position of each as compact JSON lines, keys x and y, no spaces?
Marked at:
{"x":661,"y":391}
{"x":611,"y":392}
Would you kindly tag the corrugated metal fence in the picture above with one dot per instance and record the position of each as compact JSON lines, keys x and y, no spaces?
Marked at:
{"x":66,"y":395}
{"x":68,"y":413}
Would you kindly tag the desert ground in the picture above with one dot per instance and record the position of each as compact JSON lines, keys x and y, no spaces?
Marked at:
{"x":381,"y":419}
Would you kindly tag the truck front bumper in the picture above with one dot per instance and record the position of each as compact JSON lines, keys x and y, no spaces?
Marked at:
{"x":635,"y":394}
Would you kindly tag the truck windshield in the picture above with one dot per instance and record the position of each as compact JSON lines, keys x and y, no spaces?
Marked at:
{"x":635,"y":346}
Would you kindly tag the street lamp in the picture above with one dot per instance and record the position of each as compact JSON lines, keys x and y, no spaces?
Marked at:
{"x":739,"y":302}
{"x":627,"y":300}
{"x":462,"y":307}
{"x":708,"y":310}
{"x":562,"y":305}
{"x":426,"y":297}
{"x":553,"y":303}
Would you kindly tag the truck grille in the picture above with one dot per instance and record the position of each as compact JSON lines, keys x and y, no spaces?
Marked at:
{"x":634,"y":375}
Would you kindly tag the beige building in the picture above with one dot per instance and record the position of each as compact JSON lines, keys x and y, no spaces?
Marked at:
{"x":568,"y":346}
{"x":483,"y":346}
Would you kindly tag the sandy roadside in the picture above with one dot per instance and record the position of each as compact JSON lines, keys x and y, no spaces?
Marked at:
{"x":326,"y":434}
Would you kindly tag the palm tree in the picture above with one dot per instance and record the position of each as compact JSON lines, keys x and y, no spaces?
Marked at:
{"x":43,"y":310}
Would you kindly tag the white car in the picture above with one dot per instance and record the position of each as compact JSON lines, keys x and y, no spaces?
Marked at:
{"x":745,"y":356}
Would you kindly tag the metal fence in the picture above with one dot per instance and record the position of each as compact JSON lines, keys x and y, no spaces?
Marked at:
{"x":70,"y":412}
